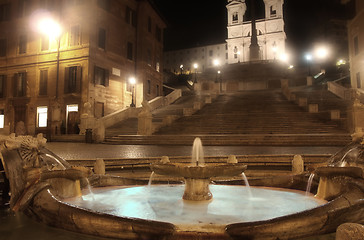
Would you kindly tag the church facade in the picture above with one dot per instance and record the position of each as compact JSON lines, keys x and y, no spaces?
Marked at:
{"x":270,"y":35}
{"x":270,"y":32}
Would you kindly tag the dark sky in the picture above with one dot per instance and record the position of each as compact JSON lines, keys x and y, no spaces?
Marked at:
{"x":192,"y":23}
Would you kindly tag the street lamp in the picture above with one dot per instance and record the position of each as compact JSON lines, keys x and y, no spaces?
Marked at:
{"x":216,"y":64}
{"x":195,"y":66}
{"x":181,"y":68}
{"x":322,"y":52}
{"x":132,"y":81}
{"x":308,"y":57}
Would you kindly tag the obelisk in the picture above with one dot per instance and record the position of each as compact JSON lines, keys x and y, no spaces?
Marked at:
{"x":254,"y":47}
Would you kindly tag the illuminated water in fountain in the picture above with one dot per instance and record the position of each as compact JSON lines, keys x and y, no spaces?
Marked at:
{"x":231,"y":204}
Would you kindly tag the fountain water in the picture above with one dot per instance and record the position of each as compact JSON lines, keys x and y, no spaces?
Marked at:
{"x":197,"y":153}
{"x":247,"y":185}
{"x":309,"y":184}
{"x":150,"y":179}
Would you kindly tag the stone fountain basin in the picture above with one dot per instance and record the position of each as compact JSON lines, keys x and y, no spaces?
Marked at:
{"x":199,"y":172}
{"x":53,"y":210}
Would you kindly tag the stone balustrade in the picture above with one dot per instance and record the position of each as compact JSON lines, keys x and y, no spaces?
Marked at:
{"x":88,"y":121}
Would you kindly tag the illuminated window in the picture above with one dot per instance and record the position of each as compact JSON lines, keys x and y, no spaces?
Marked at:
{"x":42,"y":116}
{"x":72,"y":108}
{"x":2,"y":118}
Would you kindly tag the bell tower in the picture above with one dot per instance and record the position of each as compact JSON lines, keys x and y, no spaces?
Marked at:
{"x":235,"y":13}
{"x":236,"y":10}
{"x":267,"y":34}
{"x":273,"y":9}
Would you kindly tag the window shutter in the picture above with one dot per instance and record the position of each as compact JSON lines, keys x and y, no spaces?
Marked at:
{"x":15,"y":78}
{"x":4,"y":90}
{"x":24,"y":84}
{"x":79,"y":79}
{"x":66,"y":79}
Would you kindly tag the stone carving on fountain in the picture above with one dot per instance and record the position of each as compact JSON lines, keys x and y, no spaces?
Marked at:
{"x":36,"y":169}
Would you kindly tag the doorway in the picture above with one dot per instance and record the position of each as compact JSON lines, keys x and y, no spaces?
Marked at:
{"x":20,"y":119}
{"x":73,"y":119}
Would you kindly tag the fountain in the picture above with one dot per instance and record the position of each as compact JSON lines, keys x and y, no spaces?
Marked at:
{"x":50,"y":191}
{"x":197,"y":176}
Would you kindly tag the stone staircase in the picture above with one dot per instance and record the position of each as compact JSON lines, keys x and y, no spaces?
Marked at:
{"x":130,"y":126}
{"x":246,"y":118}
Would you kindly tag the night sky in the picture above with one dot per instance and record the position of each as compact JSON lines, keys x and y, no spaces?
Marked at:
{"x":192,"y":23}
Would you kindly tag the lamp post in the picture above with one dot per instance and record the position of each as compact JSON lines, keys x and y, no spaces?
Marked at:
{"x":181,"y":68}
{"x":219,"y":74}
{"x":195,"y":66}
{"x":46,"y":25}
{"x":238,"y":56}
{"x":132,"y":81}
{"x":43,"y":22}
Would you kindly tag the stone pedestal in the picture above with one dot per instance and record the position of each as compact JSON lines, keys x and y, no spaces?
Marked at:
{"x":309,"y":80}
{"x":313,"y":108}
{"x":197,"y":189}
{"x":297,"y":164}
{"x":302,"y":102}
{"x":145,"y":125}
{"x":197,"y":105}
{"x":208,"y":99}
{"x":335,"y":114}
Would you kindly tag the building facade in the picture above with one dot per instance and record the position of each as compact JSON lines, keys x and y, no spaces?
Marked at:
{"x":270,"y":31}
{"x":46,"y":79}
{"x":356,"y":47}
{"x":185,"y":59}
